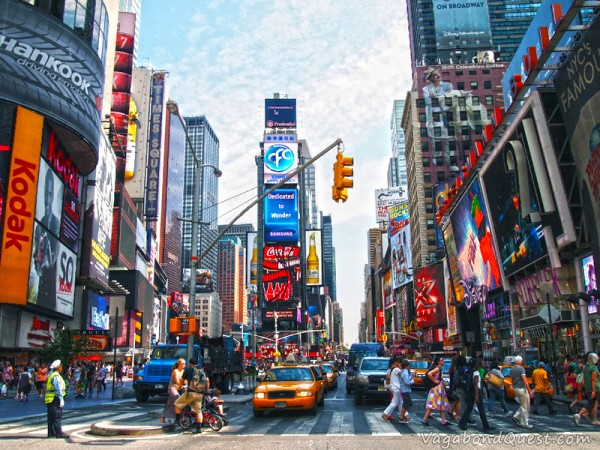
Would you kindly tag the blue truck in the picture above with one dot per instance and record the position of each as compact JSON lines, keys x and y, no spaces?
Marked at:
{"x":218,"y":357}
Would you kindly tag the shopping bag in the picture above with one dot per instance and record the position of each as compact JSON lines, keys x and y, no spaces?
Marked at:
{"x":495,"y":380}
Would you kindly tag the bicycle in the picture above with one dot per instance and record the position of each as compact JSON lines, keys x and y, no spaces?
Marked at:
{"x":188,"y":418}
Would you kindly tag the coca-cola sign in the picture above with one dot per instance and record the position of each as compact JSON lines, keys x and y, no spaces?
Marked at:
{"x":281,"y":271}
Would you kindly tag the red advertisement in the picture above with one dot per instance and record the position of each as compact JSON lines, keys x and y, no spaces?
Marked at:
{"x":281,"y":271}
{"x":430,"y":296}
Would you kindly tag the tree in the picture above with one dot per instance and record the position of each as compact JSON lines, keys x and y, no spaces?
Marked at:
{"x":65,"y":345}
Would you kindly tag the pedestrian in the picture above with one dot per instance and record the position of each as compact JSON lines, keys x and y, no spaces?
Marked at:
{"x":197,"y":384}
{"x":576,"y":379}
{"x":406,"y":381}
{"x":77,"y":381}
{"x":119,"y":373}
{"x":175,"y":386}
{"x":23,"y":385}
{"x":41,"y":375}
{"x":523,"y":393}
{"x":394,"y":387}
{"x":453,"y":399}
{"x":100,"y":375}
{"x":436,"y":397}
{"x":56,"y":390}
{"x":591,"y":383}
{"x":457,"y":390}
{"x":474,"y":395}
{"x":496,"y":390}
{"x":90,"y":374}
{"x":541,"y":387}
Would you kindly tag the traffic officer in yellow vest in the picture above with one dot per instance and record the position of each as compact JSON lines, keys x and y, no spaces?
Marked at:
{"x":56,"y":391}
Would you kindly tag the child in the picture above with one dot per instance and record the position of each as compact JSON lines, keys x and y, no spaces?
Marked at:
{"x":406,"y":381}
{"x":216,"y":400}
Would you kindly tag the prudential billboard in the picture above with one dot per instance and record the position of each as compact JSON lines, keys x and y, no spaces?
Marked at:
{"x":461,"y":24}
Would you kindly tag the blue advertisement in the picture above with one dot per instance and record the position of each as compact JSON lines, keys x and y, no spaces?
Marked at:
{"x":97,"y":312}
{"x":280,"y":159}
{"x":281,"y":216}
{"x":280,"y":113}
{"x":461,"y":24}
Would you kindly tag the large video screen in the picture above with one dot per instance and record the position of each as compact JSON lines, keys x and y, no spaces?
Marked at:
{"x":430,"y":296}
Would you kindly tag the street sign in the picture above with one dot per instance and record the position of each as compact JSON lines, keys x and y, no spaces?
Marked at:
{"x":419,"y":333}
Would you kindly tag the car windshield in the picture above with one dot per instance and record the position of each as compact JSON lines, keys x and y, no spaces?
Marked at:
{"x":291,"y":374}
{"x":446,"y":366}
{"x":419,"y":364}
{"x":327,"y":369}
{"x":356,"y":357}
{"x":375,"y":364}
{"x":169,"y":353}
{"x":506,"y":371}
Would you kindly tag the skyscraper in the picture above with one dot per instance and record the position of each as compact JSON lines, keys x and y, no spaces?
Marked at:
{"x":232,"y":282}
{"x":328,"y":257}
{"x":397,"y":175}
{"x":206,"y":148}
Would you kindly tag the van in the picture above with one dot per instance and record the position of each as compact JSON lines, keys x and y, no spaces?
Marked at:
{"x":357,"y":352}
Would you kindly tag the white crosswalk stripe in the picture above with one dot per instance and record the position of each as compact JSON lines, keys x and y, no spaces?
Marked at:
{"x":342,"y":423}
{"x":302,"y":425}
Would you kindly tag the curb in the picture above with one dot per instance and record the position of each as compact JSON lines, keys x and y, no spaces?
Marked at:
{"x":110,"y":428}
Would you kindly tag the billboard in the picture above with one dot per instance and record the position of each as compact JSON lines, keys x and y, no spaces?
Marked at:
{"x":280,"y":113}
{"x":430,"y":296}
{"x":386,"y":197}
{"x":399,"y":232}
{"x":46,"y":68}
{"x":457,"y":288}
{"x":440,"y":195}
{"x":281,"y":216}
{"x":252,"y":258}
{"x":451,"y":319}
{"x":477,"y":259}
{"x":281,"y":272}
{"x":589,"y":281}
{"x":97,"y":312}
{"x":388,"y":291}
{"x":99,"y":217}
{"x":280,"y":159}
{"x":461,"y":24}
{"x":314,"y":258}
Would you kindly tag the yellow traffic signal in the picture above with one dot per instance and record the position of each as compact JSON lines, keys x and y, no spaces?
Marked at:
{"x":342,"y":170}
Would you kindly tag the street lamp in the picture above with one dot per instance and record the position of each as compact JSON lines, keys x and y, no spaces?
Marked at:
{"x":173,"y":107}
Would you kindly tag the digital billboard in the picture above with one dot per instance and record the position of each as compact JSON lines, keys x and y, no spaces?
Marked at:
{"x":589,"y":281}
{"x":452,"y":262}
{"x":430,"y":296}
{"x":281,"y":216}
{"x":280,"y":159}
{"x":97,"y":313}
{"x":280,"y":113}
{"x":477,"y":259}
{"x":388,"y":291}
{"x":461,"y":24}
{"x":314,"y":258}
{"x":399,"y":232}
{"x":451,"y":317}
{"x":251,"y":258}
{"x":281,"y":272}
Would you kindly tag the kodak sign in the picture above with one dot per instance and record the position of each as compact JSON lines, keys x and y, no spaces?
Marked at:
{"x":20,"y":207}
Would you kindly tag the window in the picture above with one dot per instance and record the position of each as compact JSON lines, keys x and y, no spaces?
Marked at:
{"x":460,"y":86}
{"x":489,"y":99}
{"x":463,"y":116}
{"x":428,"y":193}
{"x":435,"y":116}
{"x":426,"y":177}
{"x":423,"y":131}
{"x":439,"y":162}
{"x":487,"y":84}
{"x":431,"y":242}
{"x":422,"y":117}
{"x":437,"y":131}
{"x":475,"y":100}
{"x":438,"y":146}
{"x":429,"y":208}
{"x":420,"y":103}
{"x":441,"y":176}
{"x":462,"y":101}
{"x":453,"y":160}
{"x":452,"y":143}
{"x":449,"y":116}
{"x":476,"y":115}
{"x":426,"y":162}
{"x":430,"y":225}
{"x":474,"y":85}
{"x":459,"y":73}
{"x":466,"y":145}
{"x":435,"y":102}
{"x":424,"y":146}
{"x":465,"y":131}
{"x":472,"y":72}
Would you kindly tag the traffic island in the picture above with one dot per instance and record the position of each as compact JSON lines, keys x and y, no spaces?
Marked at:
{"x":113,"y":428}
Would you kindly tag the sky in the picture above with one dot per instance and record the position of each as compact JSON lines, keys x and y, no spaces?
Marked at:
{"x":344,"y":61}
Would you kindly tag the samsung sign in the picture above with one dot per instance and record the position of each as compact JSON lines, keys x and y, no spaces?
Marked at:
{"x":47,"y":68}
{"x":280,"y":113}
{"x":280,"y":159}
{"x":281,"y":216}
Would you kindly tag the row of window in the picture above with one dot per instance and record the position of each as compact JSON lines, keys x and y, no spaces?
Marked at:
{"x":456,"y":101}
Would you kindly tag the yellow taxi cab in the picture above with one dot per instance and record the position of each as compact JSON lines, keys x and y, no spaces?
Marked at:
{"x":509,"y":391}
{"x":289,"y":387}
{"x":331,"y":375}
{"x":419,"y":368}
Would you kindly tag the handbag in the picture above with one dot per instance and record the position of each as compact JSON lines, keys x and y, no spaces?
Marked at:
{"x":579,"y":379}
{"x":569,"y":388}
{"x":495,"y":380}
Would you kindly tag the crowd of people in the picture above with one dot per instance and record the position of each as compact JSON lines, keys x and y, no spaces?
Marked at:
{"x":471,"y":384}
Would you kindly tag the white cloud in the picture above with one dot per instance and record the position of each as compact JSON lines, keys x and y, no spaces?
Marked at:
{"x":345,"y":61}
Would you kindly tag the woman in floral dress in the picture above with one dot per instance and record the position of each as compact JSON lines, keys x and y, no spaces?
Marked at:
{"x":436,"y":398}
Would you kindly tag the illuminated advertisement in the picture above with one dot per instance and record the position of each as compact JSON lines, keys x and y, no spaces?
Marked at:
{"x":280,"y":159}
{"x":121,"y":112}
{"x":440,"y":195}
{"x":314,"y":258}
{"x":453,"y":263}
{"x":388,"y":291}
{"x":281,"y":216}
{"x":52,"y":269}
{"x":451,"y":319}
{"x":252,"y":258}
{"x":384,"y":198}
{"x":280,"y":113}
{"x":98,"y":317}
{"x":589,"y":281}
{"x":578,"y":90}
{"x":477,"y":260}
{"x":281,"y":272}
{"x":47,"y":67}
{"x":315,"y":311}
{"x":515,"y":208}
{"x":461,"y":24}
{"x":99,"y":217}
{"x":155,"y":141}
{"x":399,"y":232}
{"x":430,"y":296}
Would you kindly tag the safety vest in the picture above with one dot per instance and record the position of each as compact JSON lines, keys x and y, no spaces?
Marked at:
{"x":50,"y":392}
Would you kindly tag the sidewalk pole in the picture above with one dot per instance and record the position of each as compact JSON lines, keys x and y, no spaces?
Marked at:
{"x":114,"y":373}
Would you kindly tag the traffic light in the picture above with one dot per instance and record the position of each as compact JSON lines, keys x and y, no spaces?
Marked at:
{"x":342,"y":170}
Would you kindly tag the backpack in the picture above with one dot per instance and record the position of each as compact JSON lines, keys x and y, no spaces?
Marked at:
{"x":198,"y":381}
{"x":465,"y":380}
{"x":427,"y":383}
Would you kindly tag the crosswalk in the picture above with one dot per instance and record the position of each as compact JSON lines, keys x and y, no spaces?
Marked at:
{"x":326,"y":422}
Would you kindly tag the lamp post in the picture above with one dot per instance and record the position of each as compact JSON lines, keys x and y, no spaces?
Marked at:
{"x":173,"y":107}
